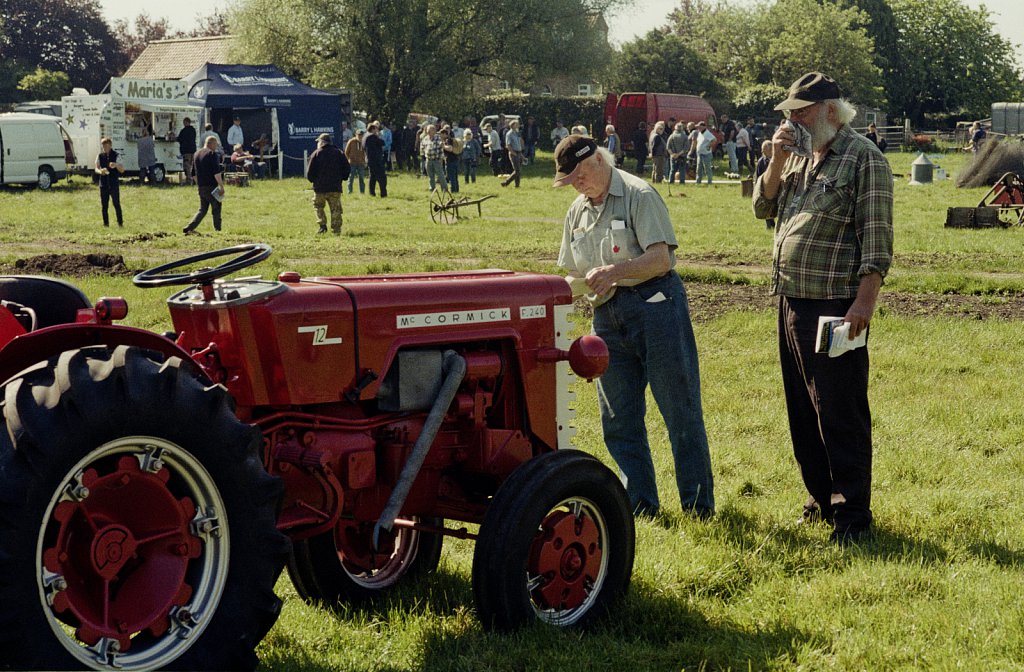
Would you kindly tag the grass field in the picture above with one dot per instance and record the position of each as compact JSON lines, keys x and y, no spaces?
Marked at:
{"x":939,"y":588}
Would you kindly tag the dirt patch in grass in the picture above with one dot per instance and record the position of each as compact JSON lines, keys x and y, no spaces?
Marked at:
{"x":709,"y":301}
{"x":71,"y":265}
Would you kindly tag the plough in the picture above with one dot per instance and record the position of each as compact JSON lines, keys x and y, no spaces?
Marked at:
{"x":1002,"y":205}
{"x":444,"y":207}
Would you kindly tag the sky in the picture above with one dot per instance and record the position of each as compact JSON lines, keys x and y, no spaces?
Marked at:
{"x":637,"y":20}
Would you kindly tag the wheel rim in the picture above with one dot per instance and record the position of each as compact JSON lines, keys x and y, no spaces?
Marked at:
{"x":376,"y":570}
{"x":567,"y":563}
{"x":133,"y":554}
{"x":45,"y":181}
{"x":158,"y":174}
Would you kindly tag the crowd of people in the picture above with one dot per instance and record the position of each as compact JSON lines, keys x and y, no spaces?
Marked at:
{"x":825,"y":189}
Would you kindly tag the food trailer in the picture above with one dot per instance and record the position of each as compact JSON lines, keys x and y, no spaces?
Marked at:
{"x":132,"y":106}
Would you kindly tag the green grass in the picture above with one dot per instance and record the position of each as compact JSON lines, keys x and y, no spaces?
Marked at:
{"x":940,"y":587}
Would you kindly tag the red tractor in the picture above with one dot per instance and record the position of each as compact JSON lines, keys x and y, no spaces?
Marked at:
{"x":152,"y":487}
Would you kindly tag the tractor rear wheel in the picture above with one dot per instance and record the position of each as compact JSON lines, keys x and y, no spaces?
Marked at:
{"x":342,"y":565}
{"x":556,"y":544}
{"x":137,"y":525}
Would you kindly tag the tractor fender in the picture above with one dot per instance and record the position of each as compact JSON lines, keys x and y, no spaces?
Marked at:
{"x":38,"y":346}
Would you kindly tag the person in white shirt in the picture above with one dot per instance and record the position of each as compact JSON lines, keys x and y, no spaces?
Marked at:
{"x":559,"y":133}
{"x":705,"y":145}
{"x":235,"y":134}
{"x":743,"y":152}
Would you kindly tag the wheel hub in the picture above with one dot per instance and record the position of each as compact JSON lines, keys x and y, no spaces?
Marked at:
{"x":121,"y":542}
{"x":113,"y":546}
{"x":566,"y":555}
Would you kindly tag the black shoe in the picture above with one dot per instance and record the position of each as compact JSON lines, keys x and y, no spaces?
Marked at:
{"x":187,"y":231}
{"x":812,"y":514}
{"x":322,"y":229}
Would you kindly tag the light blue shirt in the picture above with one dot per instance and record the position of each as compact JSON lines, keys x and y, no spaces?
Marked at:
{"x":235,"y":136}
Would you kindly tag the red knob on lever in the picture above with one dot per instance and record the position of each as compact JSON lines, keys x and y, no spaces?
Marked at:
{"x":588,"y":356}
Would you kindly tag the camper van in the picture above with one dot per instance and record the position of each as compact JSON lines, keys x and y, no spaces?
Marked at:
{"x":34,"y":149}
{"x":132,"y":106}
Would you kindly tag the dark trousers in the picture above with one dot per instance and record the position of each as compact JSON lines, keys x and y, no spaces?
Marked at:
{"x":206,"y":202}
{"x":378,"y":176}
{"x":829,"y":416}
{"x":107,"y":194}
{"x":495,"y":162}
{"x":741,"y":159}
{"x":516,"y":159}
{"x":451,"y":171}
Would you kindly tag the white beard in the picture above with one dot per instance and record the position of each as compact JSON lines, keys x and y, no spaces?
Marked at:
{"x":821,"y":130}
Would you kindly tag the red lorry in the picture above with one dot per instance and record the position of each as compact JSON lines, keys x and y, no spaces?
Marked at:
{"x":626,"y":111}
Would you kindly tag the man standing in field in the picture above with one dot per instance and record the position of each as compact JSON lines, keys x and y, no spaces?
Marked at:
{"x":833,"y":247}
{"x":328,"y":169}
{"x":618,"y":247}
{"x":210,"y":181}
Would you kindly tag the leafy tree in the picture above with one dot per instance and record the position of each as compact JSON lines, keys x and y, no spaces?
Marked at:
{"x":952,"y":61}
{"x":61,"y":36}
{"x":45,"y":85}
{"x":758,"y":100}
{"x":663,"y":62}
{"x":394,"y":52}
{"x":776,"y":43}
{"x":134,"y":37}
{"x":880,"y":24}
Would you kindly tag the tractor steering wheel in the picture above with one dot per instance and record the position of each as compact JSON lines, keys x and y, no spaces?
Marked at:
{"x":244,"y":256}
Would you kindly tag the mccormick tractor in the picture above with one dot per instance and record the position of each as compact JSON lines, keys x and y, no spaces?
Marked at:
{"x":152,"y":487}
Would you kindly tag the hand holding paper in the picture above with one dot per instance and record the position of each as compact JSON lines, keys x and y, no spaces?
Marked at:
{"x":834,"y":336}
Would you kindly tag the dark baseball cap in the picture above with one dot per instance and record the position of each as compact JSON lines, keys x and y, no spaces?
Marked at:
{"x":570,"y":152}
{"x":813,"y":87}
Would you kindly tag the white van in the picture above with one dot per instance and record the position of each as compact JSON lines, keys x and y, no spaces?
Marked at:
{"x":34,"y":149}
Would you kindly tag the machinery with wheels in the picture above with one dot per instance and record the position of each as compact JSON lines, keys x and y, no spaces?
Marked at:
{"x":152,"y":487}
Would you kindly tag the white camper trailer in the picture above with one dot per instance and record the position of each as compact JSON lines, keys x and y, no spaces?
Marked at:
{"x":132,"y":106}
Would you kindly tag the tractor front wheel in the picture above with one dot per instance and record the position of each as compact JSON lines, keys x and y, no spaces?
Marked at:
{"x":556,"y":544}
{"x":137,"y":525}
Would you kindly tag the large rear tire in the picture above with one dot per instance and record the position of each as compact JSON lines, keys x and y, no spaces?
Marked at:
{"x":342,"y":566}
{"x":556,"y":544}
{"x":137,"y":525}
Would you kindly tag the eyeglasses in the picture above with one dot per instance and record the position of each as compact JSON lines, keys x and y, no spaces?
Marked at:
{"x":789,"y":114}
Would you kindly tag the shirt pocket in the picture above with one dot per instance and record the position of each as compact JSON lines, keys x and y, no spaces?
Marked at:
{"x":831,"y":196}
{"x":621,"y":244}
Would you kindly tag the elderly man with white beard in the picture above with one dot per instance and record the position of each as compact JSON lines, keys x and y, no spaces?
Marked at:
{"x":833,"y":247}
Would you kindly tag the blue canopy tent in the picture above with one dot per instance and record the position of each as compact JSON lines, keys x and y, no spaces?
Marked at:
{"x":268,"y":102}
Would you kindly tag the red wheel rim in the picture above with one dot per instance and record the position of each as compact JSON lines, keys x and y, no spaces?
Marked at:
{"x":566,"y":563}
{"x":133,"y":554}
{"x":123,"y":550}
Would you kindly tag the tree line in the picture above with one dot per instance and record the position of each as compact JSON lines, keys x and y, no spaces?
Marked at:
{"x":925,"y":60}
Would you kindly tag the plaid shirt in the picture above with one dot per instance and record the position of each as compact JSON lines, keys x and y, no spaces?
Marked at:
{"x":433,"y":148}
{"x":835,"y":220}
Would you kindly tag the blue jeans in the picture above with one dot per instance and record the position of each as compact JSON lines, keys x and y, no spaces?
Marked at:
{"x":451,"y":169}
{"x":652,"y":342}
{"x":677,"y":165}
{"x":435,"y":171}
{"x":359,"y":171}
{"x":704,"y":166}
{"x":469,"y":170}
{"x":730,"y":151}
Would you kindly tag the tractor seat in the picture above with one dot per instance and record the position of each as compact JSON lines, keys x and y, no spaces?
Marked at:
{"x":54,"y":301}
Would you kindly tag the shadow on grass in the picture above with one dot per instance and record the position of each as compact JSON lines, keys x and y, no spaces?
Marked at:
{"x":647,"y":630}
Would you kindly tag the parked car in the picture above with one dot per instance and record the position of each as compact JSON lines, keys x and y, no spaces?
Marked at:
{"x":48,"y":107}
{"x":34,"y":149}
